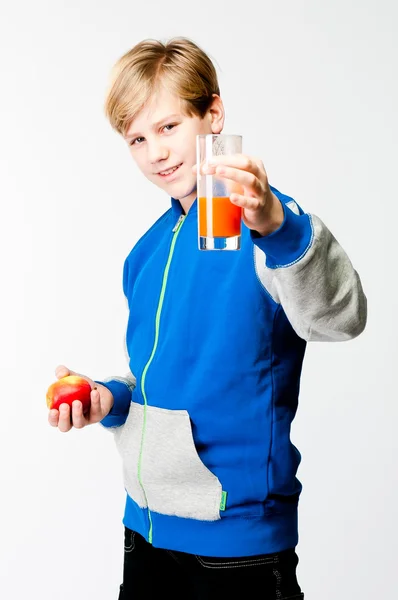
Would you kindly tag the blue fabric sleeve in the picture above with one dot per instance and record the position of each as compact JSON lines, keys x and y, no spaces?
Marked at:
{"x":287,"y":244}
{"x":122,"y":397}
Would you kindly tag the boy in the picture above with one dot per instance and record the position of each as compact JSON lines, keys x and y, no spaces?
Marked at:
{"x":216,"y":342}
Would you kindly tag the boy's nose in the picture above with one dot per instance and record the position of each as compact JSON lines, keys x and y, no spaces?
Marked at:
{"x":157,"y":153}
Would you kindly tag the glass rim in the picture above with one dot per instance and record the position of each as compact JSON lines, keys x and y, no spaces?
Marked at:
{"x":219,"y":135}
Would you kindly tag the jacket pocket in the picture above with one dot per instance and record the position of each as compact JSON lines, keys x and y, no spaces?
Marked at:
{"x":161,"y":467}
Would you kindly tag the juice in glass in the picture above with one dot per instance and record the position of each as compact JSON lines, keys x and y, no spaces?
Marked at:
{"x":225,"y":218}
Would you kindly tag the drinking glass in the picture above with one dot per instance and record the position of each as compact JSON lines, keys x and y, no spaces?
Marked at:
{"x":219,"y":221}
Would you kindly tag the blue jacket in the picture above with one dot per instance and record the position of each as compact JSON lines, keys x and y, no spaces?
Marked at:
{"x":216,"y":342}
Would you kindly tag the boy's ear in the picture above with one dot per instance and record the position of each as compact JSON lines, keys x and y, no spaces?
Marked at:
{"x":217,"y":114}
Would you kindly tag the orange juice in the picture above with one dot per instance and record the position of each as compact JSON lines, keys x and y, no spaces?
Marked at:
{"x":226,"y":217}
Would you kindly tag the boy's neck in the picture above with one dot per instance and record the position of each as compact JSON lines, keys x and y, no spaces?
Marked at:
{"x":186,"y":204}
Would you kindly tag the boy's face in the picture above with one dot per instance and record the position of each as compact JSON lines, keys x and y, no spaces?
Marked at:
{"x":162,"y":140}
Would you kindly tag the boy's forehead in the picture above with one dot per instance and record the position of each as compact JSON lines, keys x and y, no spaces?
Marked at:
{"x":160,"y":106}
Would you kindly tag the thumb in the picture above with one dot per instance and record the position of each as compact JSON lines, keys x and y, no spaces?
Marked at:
{"x":62,"y":371}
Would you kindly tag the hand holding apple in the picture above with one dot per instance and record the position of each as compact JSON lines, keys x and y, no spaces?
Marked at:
{"x":76,"y":400}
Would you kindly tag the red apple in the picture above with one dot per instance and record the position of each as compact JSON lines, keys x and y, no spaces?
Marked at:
{"x":66,"y":390}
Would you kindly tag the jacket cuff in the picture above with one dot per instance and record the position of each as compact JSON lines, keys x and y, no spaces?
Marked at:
{"x":287,"y":244}
{"x":121,"y":403}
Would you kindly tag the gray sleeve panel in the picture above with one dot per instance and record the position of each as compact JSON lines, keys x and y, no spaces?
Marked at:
{"x":128,"y":379}
{"x":321,"y":293}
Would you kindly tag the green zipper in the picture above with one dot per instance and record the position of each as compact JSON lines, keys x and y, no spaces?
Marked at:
{"x":176,"y":231}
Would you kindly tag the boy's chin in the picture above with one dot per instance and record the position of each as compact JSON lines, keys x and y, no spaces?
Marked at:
{"x":180,"y":192}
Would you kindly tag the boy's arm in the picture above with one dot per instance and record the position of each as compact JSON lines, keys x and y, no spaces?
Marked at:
{"x":304,"y":268}
{"x":121,"y":389}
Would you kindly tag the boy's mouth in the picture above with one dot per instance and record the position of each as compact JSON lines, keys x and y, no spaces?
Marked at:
{"x":167,"y":173}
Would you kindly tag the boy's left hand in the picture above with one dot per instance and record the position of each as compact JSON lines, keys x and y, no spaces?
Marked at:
{"x":262,"y":211}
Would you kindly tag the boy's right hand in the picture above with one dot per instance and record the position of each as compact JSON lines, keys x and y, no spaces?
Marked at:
{"x":65,"y":418}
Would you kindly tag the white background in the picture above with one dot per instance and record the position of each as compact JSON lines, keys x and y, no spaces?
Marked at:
{"x":312,"y":87}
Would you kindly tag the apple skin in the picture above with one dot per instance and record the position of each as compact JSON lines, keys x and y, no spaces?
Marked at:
{"x":66,"y":390}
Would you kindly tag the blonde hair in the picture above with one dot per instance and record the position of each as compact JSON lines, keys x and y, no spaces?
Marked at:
{"x":179,"y":65}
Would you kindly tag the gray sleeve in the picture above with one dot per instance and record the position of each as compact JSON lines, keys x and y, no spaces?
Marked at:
{"x":121,"y":388}
{"x":128,"y":379}
{"x":321,"y":293}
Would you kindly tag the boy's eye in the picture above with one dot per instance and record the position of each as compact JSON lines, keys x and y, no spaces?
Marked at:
{"x":138,"y":141}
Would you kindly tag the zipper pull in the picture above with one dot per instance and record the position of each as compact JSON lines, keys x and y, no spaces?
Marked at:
{"x":177,"y":225}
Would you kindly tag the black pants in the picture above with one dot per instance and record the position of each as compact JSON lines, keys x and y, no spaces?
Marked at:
{"x":150,"y":573}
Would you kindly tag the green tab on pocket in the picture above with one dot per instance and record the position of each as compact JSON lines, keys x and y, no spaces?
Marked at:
{"x":223,"y":500}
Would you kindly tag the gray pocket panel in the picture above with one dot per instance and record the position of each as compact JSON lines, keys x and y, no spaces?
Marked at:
{"x":175,"y":480}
